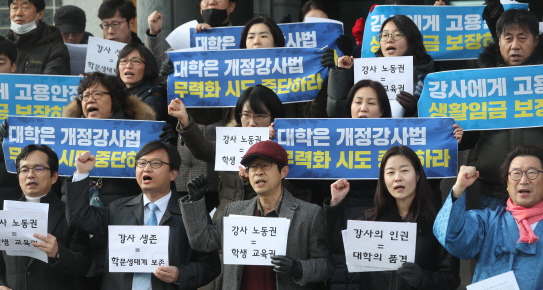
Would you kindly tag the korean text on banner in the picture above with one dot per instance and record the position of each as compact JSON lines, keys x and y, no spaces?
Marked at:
{"x":36,"y":95}
{"x":102,"y":55}
{"x":113,"y":142}
{"x":233,"y":142}
{"x":448,"y":32}
{"x":353,"y":148}
{"x":138,"y":249}
{"x":307,"y":35}
{"x":486,"y":99}
{"x":217,"y":78}
{"x":385,"y":245}
{"x":253,"y":240}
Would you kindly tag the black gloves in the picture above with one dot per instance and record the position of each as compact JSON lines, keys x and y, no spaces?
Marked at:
{"x":197,"y":187}
{"x":412,"y":273}
{"x":167,"y":68}
{"x":408,"y":102}
{"x":288,"y":266}
{"x":4,"y":130}
{"x":167,"y":135}
{"x":345,"y":45}
{"x":328,"y":58}
{"x":493,"y":5}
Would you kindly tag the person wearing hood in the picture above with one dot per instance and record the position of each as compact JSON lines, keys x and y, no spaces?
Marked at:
{"x":517,"y":42}
{"x":41,"y":49}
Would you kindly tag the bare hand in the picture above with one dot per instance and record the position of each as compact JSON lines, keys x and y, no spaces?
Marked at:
{"x":201,"y":27}
{"x":4,"y":288}
{"x":49,"y":245}
{"x":458,"y":132}
{"x":243,"y":174}
{"x":345,"y":61}
{"x":272,"y":132}
{"x":466,"y":177}
{"x":440,"y":3}
{"x":339,"y":189}
{"x":177,"y":109}
{"x":168,"y":274}
{"x":84,"y":162}
{"x":155,"y":22}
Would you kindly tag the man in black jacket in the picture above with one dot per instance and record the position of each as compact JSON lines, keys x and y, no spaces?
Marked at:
{"x":40,"y":46}
{"x":157,"y":164}
{"x":517,"y":42}
{"x":67,"y":248}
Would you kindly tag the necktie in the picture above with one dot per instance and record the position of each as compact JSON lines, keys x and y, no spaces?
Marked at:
{"x":142,"y":281}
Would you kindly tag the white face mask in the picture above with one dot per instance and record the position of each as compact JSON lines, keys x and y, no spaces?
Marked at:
{"x":24,"y":28}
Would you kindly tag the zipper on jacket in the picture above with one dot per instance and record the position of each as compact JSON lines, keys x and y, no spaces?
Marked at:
{"x":26,"y":68}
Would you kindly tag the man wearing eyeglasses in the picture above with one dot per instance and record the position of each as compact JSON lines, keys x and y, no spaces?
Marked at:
{"x":118,"y":20}
{"x":307,"y":260}
{"x":157,"y":164}
{"x":506,"y":238}
{"x":67,"y":248}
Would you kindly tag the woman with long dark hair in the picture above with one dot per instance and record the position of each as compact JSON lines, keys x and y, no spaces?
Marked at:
{"x":403,"y":194}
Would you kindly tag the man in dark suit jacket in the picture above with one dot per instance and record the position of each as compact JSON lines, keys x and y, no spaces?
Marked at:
{"x":157,"y":164}
{"x":67,"y":249}
{"x":307,"y":260}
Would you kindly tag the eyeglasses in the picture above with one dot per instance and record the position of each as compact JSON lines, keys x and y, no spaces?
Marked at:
{"x":258,"y":118}
{"x":142,"y":163}
{"x":266,"y":165}
{"x":207,"y":1}
{"x":114,"y":25}
{"x":516,"y":175}
{"x":133,"y":61}
{"x":24,"y":171}
{"x":397,"y":35}
{"x":95,"y":95}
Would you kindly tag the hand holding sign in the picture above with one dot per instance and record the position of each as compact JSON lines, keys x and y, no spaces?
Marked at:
{"x":168,"y":274}
{"x":84,"y":162}
{"x":49,"y":244}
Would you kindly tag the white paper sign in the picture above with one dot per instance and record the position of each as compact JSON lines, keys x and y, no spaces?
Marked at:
{"x":540,"y":27}
{"x":380,"y":244}
{"x":250,"y":240}
{"x":21,"y":205}
{"x":394,"y":73}
{"x":17,"y":229}
{"x":78,"y":54}
{"x":233,"y":142}
{"x":359,"y":268}
{"x":102,"y":55}
{"x":138,"y":249}
{"x":180,"y":37}
{"x":505,"y":281}
{"x":320,"y":20}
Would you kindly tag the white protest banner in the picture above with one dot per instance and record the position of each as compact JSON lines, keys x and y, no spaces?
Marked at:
{"x":17,"y":229}
{"x":233,"y":142}
{"x":180,"y":37}
{"x":102,"y":55}
{"x":394,"y":73}
{"x":250,"y":240}
{"x":505,"y":281}
{"x":78,"y":54}
{"x":21,"y":205}
{"x":351,"y":268}
{"x":138,"y":249}
{"x":380,"y":244}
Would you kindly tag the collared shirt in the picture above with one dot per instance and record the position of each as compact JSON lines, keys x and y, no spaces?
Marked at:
{"x":274,"y":213}
{"x":161,"y":204}
{"x":34,"y":199}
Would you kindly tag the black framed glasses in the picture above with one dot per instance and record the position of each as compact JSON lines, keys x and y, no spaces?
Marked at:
{"x":95,"y":95}
{"x":134,"y":61}
{"x":142,"y":163}
{"x":115,"y":25}
{"x":259,"y":118}
{"x":24,"y":171}
{"x":516,"y":175}
{"x":265,"y":165}
{"x":396,"y":35}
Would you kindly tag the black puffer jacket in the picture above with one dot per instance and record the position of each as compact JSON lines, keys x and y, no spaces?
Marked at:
{"x":493,"y":145}
{"x":440,"y":269}
{"x":156,"y":96}
{"x":41,"y":51}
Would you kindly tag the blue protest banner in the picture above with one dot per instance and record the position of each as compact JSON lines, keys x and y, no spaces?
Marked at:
{"x":36,"y":95}
{"x":113,"y":142}
{"x":217,"y":78}
{"x":486,"y":99}
{"x":449,"y":32}
{"x":307,"y":35}
{"x":353,"y":148}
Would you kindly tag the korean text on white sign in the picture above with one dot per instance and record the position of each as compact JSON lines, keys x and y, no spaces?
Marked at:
{"x":102,"y":55}
{"x":233,"y":142}
{"x":384,"y":245}
{"x":253,"y":240}
{"x":138,"y":249}
{"x":17,"y":229}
